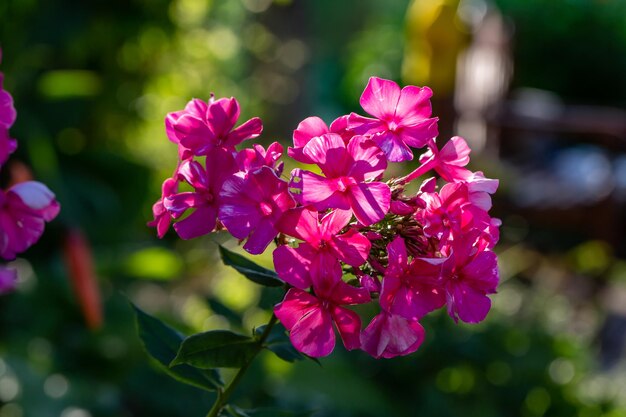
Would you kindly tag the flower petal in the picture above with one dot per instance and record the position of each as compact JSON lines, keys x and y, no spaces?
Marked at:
{"x":380,"y":98}
{"x":370,"y":201}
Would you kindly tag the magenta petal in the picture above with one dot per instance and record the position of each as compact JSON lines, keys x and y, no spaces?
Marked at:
{"x":295,"y":305}
{"x":38,"y":197}
{"x":393,"y":147}
{"x":455,"y":152}
{"x":7,"y":111}
{"x":313,"y":334}
{"x":414,"y":104}
{"x":349,"y":325}
{"x":301,"y":223}
{"x":333,"y":222}
{"x":8,"y":279}
{"x":370,"y":201}
{"x":261,"y":236}
{"x":200,"y":222}
{"x":398,"y":256}
{"x":308,"y":129}
{"x":249,"y":130}
{"x":380,"y":98}
{"x":293,"y":264}
{"x":419,"y":135}
{"x":222,"y":115}
{"x":8,"y":145}
{"x":468,"y":304}
{"x":388,"y":336}
{"x":369,"y":161}
{"x":345,"y":294}
{"x":321,"y":192}
{"x":194,"y":173}
{"x":329,"y":153}
{"x":351,"y":247}
{"x":482,"y":271}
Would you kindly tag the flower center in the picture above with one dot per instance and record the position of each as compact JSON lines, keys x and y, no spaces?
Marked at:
{"x":266,"y":209}
{"x":344,"y":182}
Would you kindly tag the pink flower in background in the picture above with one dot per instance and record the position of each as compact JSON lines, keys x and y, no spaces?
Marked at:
{"x":389,"y":335}
{"x":7,"y":118}
{"x":349,"y":173}
{"x":401,"y":118}
{"x":205,"y":199}
{"x":252,"y":205}
{"x":24,"y":210}
{"x":162,"y":217}
{"x":310,"y":318}
{"x":250,"y":159}
{"x":203,"y":126}
{"x":8,"y":279}
{"x":313,"y":127}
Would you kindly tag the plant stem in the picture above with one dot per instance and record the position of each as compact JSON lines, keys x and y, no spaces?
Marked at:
{"x":223,"y":396}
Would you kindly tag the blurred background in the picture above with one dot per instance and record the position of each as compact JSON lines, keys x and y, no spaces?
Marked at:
{"x":538,"y":89}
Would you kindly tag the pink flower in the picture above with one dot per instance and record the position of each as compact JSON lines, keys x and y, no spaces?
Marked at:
{"x":313,"y":127}
{"x":250,"y":159}
{"x":252,"y":205}
{"x":450,"y":212}
{"x":348,"y":170}
{"x":389,"y":335}
{"x":470,"y":277}
{"x":162,"y":217}
{"x":24,"y":209}
{"x":402,"y":118}
{"x":7,"y":118}
{"x":8,"y":279}
{"x":411,"y":289}
{"x":203,"y":126}
{"x":449,"y":162}
{"x":205,"y":199}
{"x":321,"y":240}
{"x":310,"y":318}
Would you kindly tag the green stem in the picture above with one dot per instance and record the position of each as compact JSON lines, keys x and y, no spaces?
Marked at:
{"x":223,"y":396}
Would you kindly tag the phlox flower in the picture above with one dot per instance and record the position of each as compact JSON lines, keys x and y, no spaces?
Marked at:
{"x":348,"y":183}
{"x":313,"y":127}
{"x":310,"y":317}
{"x":450,"y":161}
{"x":323,"y":243}
{"x":24,"y":210}
{"x":252,"y":205}
{"x":8,"y":278}
{"x":470,"y":275}
{"x":389,"y":335}
{"x":450,"y":212}
{"x":7,"y":118}
{"x":207,"y":182}
{"x":251,"y":159}
{"x":162,"y":217}
{"x":203,"y":126}
{"x":410,"y":289}
{"x":401,"y":118}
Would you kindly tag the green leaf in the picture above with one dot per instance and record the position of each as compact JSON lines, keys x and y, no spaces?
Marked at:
{"x":249,"y":269}
{"x":235,"y":411}
{"x":216,"y":349}
{"x":161,"y":342}
{"x":279,"y":343}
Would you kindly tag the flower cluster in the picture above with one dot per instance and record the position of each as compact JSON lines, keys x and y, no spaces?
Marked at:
{"x":24,"y":207}
{"x":345,"y":235}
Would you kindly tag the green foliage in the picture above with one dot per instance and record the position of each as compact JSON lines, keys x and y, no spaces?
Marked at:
{"x":162,"y":342}
{"x":279,"y":343}
{"x":249,"y":269}
{"x":216,"y":349}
